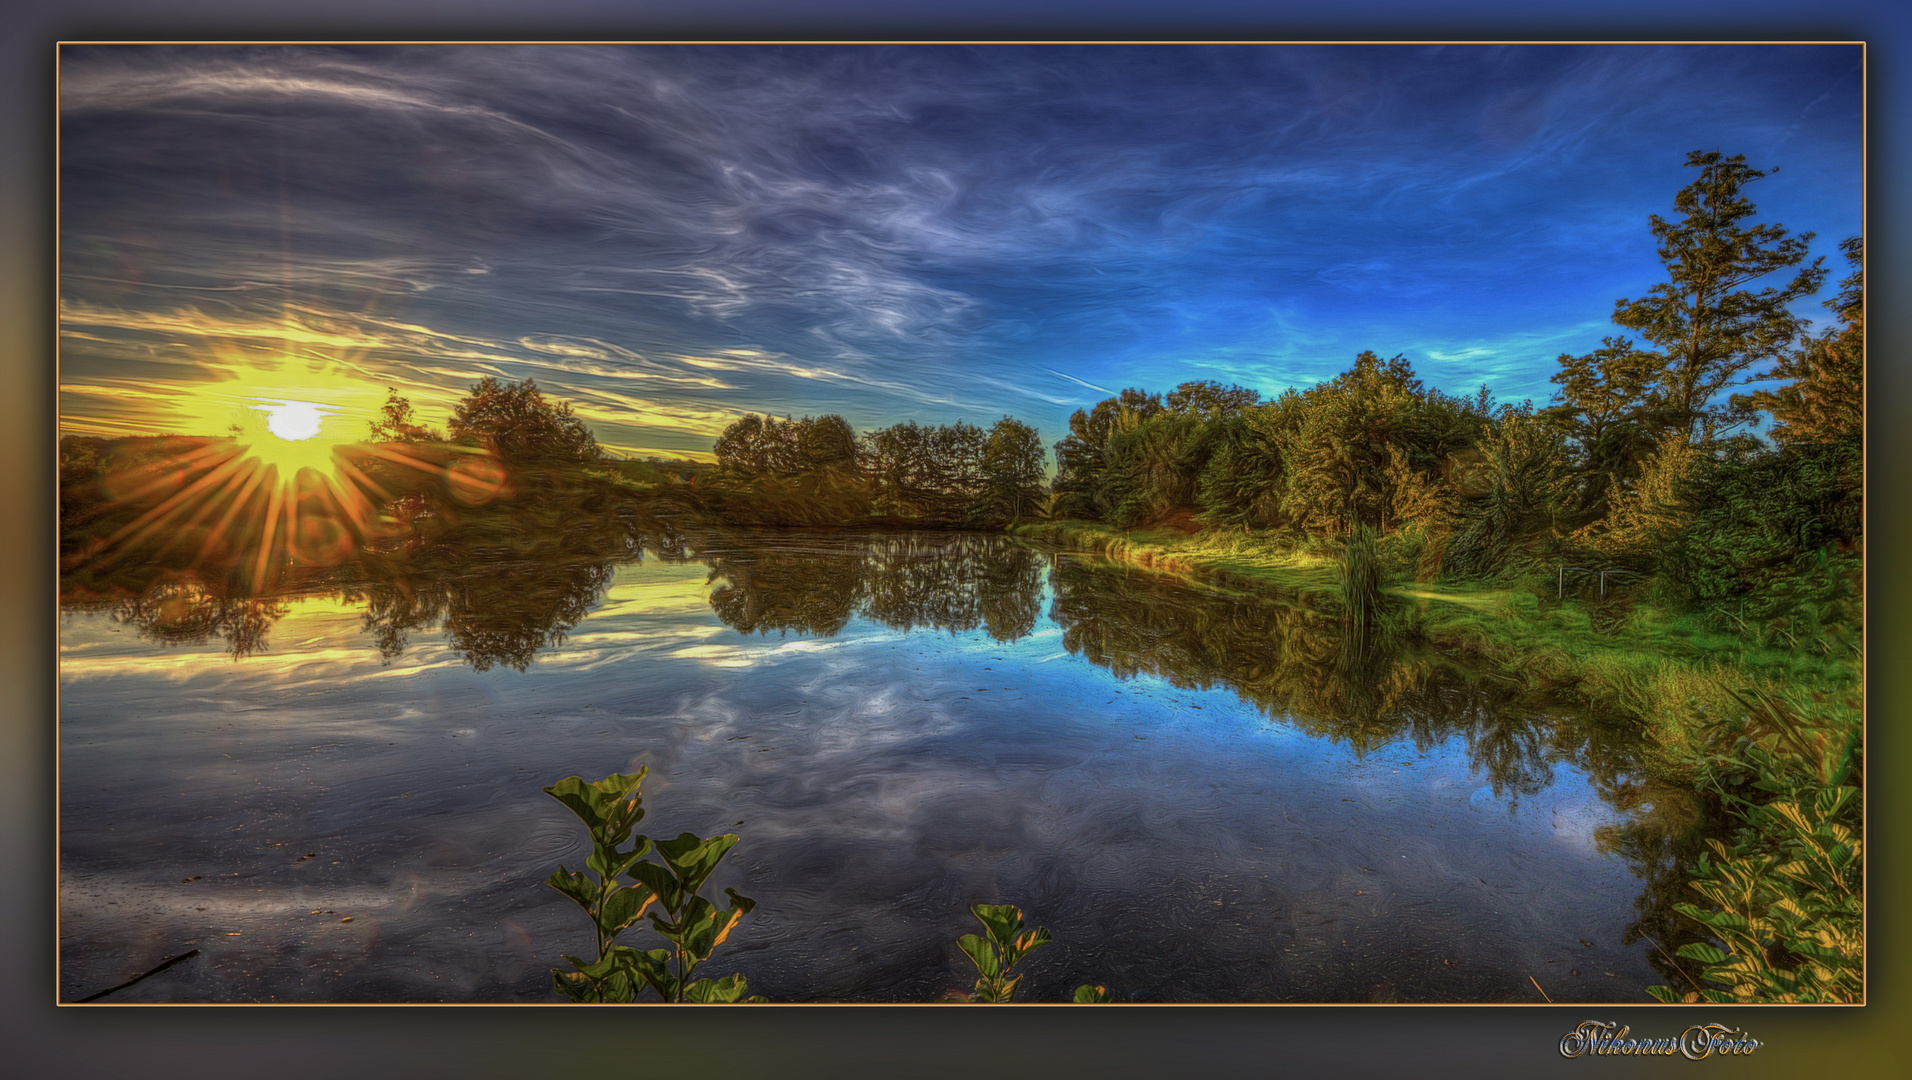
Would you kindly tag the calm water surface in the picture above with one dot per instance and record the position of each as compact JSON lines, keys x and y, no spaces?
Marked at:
{"x":1204,"y":797}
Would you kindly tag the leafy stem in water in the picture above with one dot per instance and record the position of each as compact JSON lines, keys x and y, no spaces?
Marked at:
{"x":1004,"y":943}
{"x":694,"y":926}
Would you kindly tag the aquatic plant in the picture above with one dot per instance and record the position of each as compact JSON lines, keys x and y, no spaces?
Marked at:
{"x":1788,"y":906}
{"x":1361,"y":580}
{"x":693,"y":925}
{"x":1787,"y":892}
{"x":1003,"y":945}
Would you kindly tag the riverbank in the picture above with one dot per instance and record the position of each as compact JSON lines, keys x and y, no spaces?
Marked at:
{"x":1621,"y":654}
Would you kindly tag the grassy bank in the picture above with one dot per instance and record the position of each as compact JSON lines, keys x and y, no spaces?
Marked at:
{"x":1622,"y":655}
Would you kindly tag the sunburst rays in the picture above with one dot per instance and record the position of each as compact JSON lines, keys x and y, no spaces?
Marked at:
{"x":219,"y":505}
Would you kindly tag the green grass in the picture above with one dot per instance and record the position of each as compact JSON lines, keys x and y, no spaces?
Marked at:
{"x":1664,"y":670}
{"x":1225,"y":558}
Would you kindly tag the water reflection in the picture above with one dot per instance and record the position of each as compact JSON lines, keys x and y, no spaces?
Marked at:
{"x":1297,"y":666}
{"x":501,"y":583}
{"x":950,"y":582}
{"x":504,"y":589}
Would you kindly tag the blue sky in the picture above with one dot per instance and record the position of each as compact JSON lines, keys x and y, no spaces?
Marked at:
{"x":670,"y":237}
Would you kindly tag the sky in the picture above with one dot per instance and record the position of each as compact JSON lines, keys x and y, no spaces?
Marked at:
{"x":671,"y":237}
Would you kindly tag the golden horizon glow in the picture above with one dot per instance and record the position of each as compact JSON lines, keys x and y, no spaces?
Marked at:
{"x":345,"y":360}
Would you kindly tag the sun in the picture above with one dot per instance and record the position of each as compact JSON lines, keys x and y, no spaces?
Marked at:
{"x":286,"y":434}
{"x":294,"y":421}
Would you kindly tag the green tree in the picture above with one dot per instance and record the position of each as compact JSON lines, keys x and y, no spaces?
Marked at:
{"x":934,"y":474}
{"x":1529,"y":480}
{"x":1210,"y":401}
{"x":1825,"y":399}
{"x":1151,"y":467}
{"x":520,"y":427}
{"x":1080,"y":456}
{"x":746,"y":446}
{"x":1612,"y":413}
{"x":764,"y":445}
{"x":1649,"y":515}
{"x":398,"y":423}
{"x":1341,"y":457}
{"x":1710,"y":325}
{"x":1244,"y":479}
{"x":826,"y":443}
{"x":1012,"y":460}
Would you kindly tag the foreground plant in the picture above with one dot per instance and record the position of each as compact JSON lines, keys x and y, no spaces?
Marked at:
{"x":1787,"y":893}
{"x":1003,"y":945}
{"x":694,"y":926}
{"x":1792,"y":920}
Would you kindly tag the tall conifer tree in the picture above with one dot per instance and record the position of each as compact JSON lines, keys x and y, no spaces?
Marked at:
{"x":1708,"y":323}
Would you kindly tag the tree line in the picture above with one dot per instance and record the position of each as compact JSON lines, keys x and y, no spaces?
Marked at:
{"x":818,"y":471}
{"x":1643,"y":458}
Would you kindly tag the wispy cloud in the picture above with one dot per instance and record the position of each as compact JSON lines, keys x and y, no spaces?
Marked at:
{"x":894,"y":232}
{"x":1081,"y":382}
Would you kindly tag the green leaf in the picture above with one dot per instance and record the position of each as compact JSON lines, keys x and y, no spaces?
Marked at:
{"x":695,"y":931}
{"x":739,"y":907}
{"x":728,"y":990}
{"x":1007,"y":991}
{"x":598,"y":863}
{"x":693,"y":859}
{"x":981,"y":953}
{"x":660,"y":881}
{"x":1704,"y":953}
{"x":623,"y":908}
{"x":1661,"y":993}
{"x":598,"y":968}
{"x":594,"y":803}
{"x":573,"y":985}
{"x":573,"y":792}
{"x":618,"y":989}
{"x":627,"y":859}
{"x":1829,"y":802}
{"x":582,"y":891}
{"x":1026,"y":943}
{"x":1003,"y":921}
{"x":1093,"y":995}
{"x":654,"y":968}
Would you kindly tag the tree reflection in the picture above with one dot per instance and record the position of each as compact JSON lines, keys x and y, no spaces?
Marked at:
{"x":502,"y":581}
{"x":1364,"y":689}
{"x":815,"y":583}
{"x":176,"y":611}
{"x":1370,"y":691}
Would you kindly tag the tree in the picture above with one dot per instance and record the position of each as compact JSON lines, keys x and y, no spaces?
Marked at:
{"x":1340,"y":456}
{"x":758,"y":445}
{"x":1609,"y":408}
{"x":1826,"y":399}
{"x":932,"y":473}
{"x":1245,"y":477}
{"x":1529,"y":483}
{"x":748,"y":445}
{"x":1012,"y":468}
{"x":826,"y":443}
{"x":1708,"y":323}
{"x":1079,"y":456}
{"x":1652,"y":514}
{"x":399,"y":423}
{"x":521,"y":428}
{"x":1210,"y":400}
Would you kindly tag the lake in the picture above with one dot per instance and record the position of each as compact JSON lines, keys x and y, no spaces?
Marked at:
{"x":333,"y":792}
